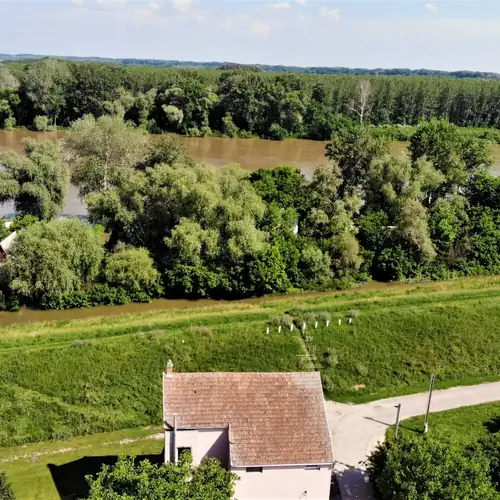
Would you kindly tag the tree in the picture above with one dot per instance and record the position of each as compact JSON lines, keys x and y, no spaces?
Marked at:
{"x":101,"y":150}
{"x":455,"y":155}
{"x":417,"y":468}
{"x":360,"y":103}
{"x":353,"y":148}
{"x":127,"y":480}
{"x":6,"y":492}
{"x":48,"y":258}
{"x":36,"y":181}
{"x":45,"y":83}
{"x":7,"y":79}
{"x":200,"y":223}
{"x":133,"y":270}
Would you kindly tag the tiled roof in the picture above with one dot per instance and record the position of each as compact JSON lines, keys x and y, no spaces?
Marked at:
{"x":274,"y":418}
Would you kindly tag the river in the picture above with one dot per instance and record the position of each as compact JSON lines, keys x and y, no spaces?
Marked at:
{"x":251,"y":154}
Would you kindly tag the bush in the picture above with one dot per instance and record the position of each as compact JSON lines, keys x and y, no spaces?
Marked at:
{"x":410,"y":468}
{"x":9,"y":123}
{"x":132,"y":269}
{"x":6,"y":492}
{"x":97,"y":295}
{"x":41,"y":123}
{"x":285,"y":320}
{"x":331,"y":357}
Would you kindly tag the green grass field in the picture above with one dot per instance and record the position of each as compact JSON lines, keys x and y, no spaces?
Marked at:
{"x":51,"y":471}
{"x":464,"y":425}
{"x":63,"y":379}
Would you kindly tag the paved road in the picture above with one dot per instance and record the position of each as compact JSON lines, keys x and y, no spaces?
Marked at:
{"x":356,"y":429}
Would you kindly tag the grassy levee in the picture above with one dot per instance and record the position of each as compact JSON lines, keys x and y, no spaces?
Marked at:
{"x":64,"y":379}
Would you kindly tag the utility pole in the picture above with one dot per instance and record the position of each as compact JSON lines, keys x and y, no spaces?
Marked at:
{"x":398,"y":414}
{"x":431,"y":387}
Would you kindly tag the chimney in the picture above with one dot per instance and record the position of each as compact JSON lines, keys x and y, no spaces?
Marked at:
{"x":170,"y":368}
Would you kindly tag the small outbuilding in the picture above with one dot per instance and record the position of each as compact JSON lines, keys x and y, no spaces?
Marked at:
{"x":270,"y":429}
{"x":5,"y":245}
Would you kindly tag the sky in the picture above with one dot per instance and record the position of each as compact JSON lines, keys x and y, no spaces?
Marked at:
{"x":446,"y":34}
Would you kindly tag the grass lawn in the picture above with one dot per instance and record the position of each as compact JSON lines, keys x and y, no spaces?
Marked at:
{"x":72,"y":378}
{"x":55,"y":470}
{"x":463,"y":425}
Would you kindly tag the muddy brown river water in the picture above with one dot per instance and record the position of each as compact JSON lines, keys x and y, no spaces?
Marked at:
{"x":251,"y":154}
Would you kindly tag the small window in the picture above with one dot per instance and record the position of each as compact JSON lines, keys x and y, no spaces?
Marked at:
{"x":254,"y":469}
{"x":182,"y":450}
{"x":312,"y":467}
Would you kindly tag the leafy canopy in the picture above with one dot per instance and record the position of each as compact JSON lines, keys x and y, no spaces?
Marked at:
{"x":48,"y":258}
{"x":36,"y":181}
{"x":127,"y":480}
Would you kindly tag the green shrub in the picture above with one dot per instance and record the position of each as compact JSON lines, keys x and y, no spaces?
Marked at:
{"x":6,"y":492}
{"x":41,"y":123}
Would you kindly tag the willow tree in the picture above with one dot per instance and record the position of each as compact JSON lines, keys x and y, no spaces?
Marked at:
{"x":101,"y":150}
{"x":35,"y":180}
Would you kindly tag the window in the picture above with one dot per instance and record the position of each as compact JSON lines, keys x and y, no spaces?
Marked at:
{"x":312,"y":467}
{"x":254,"y":469}
{"x":182,"y":450}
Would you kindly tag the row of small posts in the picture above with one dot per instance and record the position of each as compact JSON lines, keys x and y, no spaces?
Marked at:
{"x":303,"y":326}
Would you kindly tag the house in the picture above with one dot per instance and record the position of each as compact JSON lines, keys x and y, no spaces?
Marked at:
{"x":270,"y":429}
{"x":5,"y":245}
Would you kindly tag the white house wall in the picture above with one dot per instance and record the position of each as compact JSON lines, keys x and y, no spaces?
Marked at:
{"x":283,"y":483}
{"x":211,"y":443}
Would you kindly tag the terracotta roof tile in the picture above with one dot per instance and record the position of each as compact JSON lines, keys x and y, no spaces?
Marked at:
{"x":274,"y":418}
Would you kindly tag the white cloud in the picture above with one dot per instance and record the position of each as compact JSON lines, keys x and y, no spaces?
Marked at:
{"x":280,"y":5}
{"x":154,"y":6}
{"x":431,"y":7}
{"x":301,"y":2}
{"x":182,"y":5}
{"x":330,"y":14}
{"x":260,"y":29}
{"x":112,"y":3}
{"x":77,"y":2}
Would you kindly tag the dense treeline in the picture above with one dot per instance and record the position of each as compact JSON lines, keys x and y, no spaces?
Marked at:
{"x":276,"y":68}
{"x":185,"y":229}
{"x":236,"y":102}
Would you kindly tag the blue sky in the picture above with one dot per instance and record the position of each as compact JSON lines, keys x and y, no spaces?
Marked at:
{"x":446,"y":34}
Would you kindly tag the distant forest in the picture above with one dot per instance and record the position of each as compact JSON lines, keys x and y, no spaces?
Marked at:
{"x":313,"y":70}
{"x":238,"y":102}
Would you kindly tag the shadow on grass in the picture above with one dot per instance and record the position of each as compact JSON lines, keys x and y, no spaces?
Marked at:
{"x":69,"y":478}
{"x":493,"y":425}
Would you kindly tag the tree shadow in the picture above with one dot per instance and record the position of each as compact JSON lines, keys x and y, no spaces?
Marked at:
{"x":493,"y":425}
{"x":69,"y":478}
{"x":353,"y":484}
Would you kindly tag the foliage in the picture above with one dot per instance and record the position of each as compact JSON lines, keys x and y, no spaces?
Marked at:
{"x":46,"y":84}
{"x":41,"y":123}
{"x":101,"y":150}
{"x":6,"y":492}
{"x":416,"y":468}
{"x":238,"y":101}
{"x":133,"y":270}
{"x":36,"y":181}
{"x":181,"y":481}
{"x":55,"y":257}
